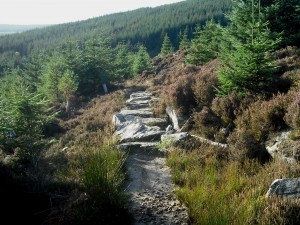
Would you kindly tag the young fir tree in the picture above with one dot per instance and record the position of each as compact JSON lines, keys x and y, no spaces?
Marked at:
{"x":166,"y":47}
{"x":22,"y":111}
{"x":122,"y":62}
{"x":68,"y":85}
{"x":184,"y":41}
{"x":142,"y":61}
{"x":206,"y":44}
{"x":247,"y":64}
{"x":51,"y":74}
{"x":98,"y":63}
{"x":284,"y":16}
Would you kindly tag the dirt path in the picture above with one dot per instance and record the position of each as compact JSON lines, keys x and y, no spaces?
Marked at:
{"x":151,"y":190}
{"x":152,"y":198}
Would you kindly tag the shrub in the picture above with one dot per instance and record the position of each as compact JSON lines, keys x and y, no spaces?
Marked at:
{"x":243,"y":146}
{"x":180,"y":95}
{"x":230,"y":106}
{"x":263,"y":117}
{"x":292,"y":117}
{"x":205,"y":83}
{"x":206,"y":123}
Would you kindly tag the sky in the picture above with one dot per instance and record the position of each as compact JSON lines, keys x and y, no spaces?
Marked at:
{"x":63,"y":11}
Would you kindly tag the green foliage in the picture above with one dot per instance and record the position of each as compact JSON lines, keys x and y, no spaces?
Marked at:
{"x":68,"y":84}
{"x":122,"y":62}
{"x":98,"y":64}
{"x":142,"y":61}
{"x":139,"y":26}
{"x":247,"y":64}
{"x":51,"y":75}
{"x":21,"y":111}
{"x":102,"y":174}
{"x":166,"y":47}
{"x":205,"y":46}
{"x":284,"y":17}
{"x":219,"y":191}
{"x":184,"y":41}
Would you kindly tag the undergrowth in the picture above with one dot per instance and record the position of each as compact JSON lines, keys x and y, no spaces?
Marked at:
{"x":221,"y":191}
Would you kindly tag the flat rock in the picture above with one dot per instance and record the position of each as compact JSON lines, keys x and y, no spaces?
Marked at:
{"x":286,"y":188}
{"x":175,"y":137}
{"x":134,"y":105}
{"x":138,"y":132}
{"x":138,"y":145}
{"x":140,"y":94}
{"x":147,"y":112}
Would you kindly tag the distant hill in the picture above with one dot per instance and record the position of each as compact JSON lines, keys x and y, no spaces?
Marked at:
{"x":11,"y":29}
{"x":145,"y":25}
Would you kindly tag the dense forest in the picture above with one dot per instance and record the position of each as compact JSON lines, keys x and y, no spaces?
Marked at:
{"x":10,"y":29}
{"x":50,"y":145}
{"x":146,"y":26}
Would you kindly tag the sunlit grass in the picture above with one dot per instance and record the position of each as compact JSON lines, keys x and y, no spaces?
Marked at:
{"x":227,"y":192}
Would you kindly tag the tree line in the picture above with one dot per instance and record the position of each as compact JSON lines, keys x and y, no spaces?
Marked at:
{"x":146,"y":26}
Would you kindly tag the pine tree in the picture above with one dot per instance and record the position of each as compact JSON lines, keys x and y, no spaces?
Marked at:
{"x":98,"y":65}
{"x":284,"y":17}
{"x":122,"y":62}
{"x":166,"y":47}
{"x":247,"y":64}
{"x":51,"y":76}
{"x":184,"y":42}
{"x":68,"y":85}
{"x":206,"y":44}
{"x":22,"y":111}
{"x":142,"y":61}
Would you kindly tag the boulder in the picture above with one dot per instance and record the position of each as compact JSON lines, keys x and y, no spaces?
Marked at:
{"x":177,"y":122}
{"x":282,"y":147}
{"x":286,"y":188}
{"x":118,"y":119}
{"x":138,"y":132}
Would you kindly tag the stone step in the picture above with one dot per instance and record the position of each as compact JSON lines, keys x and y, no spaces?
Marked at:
{"x":120,"y":119}
{"x":138,"y":146}
{"x":134,"y":106}
{"x":140,"y":94}
{"x":139,"y":99}
{"x":145,"y":113}
{"x":138,"y":132}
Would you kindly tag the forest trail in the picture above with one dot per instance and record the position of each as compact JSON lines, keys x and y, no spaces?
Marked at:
{"x":149,"y":184}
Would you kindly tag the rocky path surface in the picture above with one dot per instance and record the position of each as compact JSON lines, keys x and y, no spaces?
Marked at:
{"x":149,"y":181}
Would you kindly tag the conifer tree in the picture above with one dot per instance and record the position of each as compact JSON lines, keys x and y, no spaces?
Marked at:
{"x":247,"y":64}
{"x":166,"y":47}
{"x":183,"y":39}
{"x":142,"y":61}
{"x":68,"y":85}
{"x":205,"y":45}
{"x":122,"y":62}
{"x":22,"y":111}
{"x":51,"y":75}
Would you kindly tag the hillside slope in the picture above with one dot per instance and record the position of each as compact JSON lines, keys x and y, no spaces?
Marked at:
{"x":145,"y":25}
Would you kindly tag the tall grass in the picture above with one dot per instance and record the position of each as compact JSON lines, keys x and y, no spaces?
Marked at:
{"x":218,"y":191}
{"x":103,"y":175}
